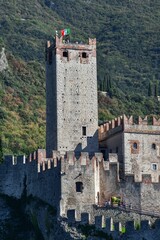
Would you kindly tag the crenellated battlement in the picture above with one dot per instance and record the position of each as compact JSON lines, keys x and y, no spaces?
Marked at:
{"x":114,"y":126}
{"x":47,"y":164}
{"x":70,"y":158}
{"x":107,"y":225}
{"x":14,"y":160}
{"x":112,"y":159}
{"x":62,"y":44}
{"x":128,"y":124}
{"x":37,"y":156}
{"x":143,"y":178}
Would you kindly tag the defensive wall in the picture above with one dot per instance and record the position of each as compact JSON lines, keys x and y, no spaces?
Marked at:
{"x":33,"y":176}
{"x":75,"y":181}
{"x":127,"y":124}
{"x":139,"y":229}
{"x":70,"y":181}
{"x":66,"y":181}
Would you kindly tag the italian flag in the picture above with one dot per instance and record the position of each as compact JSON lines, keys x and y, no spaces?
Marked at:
{"x":65,"y":32}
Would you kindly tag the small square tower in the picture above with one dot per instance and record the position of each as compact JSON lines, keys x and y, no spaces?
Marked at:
{"x":71,"y":94}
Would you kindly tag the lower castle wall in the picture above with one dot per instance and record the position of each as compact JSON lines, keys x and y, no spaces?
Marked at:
{"x":143,"y":196}
{"x":42,"y":184}
{"x":21,"y":178}
{"x":130,"y":192}
{"x":108,"y":183}
{"x":150,"y":196}
{"x":120,"y":215}
{"x":56,"y":184}
{"x":11,"y":178}
{"x":83,"y":171}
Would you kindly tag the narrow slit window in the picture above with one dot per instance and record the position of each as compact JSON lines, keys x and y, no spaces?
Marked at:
{"x":153,"y":146}
{"x":117,"y":149}
{"x":84,"y":132}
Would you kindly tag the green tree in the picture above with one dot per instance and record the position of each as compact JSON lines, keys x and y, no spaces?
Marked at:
{"x":150,"y":89}
{"x":156,"y":89}
{"x":109,"y":85}
{"x":1,"y":150}
{"x":109,"y":81}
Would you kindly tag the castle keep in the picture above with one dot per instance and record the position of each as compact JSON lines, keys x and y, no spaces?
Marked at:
{"x":85,"y":165}
{"x":71,"y":91}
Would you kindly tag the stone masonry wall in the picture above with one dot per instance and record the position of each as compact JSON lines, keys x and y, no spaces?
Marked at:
{"x":51,"y":104}
{"x":82,"y":169}
{"x":73,"y":73}
{"x":141,"y":152}
{"x":109,"y":177}
{"x":150,"y":195}
{"x":19,"y":176}
{"x":112,"y":221}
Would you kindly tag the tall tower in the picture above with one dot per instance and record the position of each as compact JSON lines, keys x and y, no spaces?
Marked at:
{"x":71,"y":89}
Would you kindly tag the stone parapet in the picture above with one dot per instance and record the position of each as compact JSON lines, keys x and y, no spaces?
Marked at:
{"x":129,"y":230}
{"x":127,"y":124}
{"x":143,"y":178}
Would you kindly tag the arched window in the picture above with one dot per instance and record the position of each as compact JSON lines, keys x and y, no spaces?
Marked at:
{"x":135,"y":145}
{"x":154,"y":166}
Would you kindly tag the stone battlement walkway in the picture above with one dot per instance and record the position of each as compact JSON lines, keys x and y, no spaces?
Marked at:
{"x":127,"y":208}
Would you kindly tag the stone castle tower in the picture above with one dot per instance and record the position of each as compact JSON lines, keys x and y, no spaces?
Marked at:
{"x":71,"y":85}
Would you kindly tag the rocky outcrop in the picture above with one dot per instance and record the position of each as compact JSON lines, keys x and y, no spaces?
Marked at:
{"x":3,"y":60}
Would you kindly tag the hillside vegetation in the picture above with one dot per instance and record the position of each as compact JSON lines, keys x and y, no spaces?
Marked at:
{"x":128,"y":50}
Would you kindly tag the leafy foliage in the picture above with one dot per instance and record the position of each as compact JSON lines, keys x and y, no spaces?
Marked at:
{"x":1,"y":150}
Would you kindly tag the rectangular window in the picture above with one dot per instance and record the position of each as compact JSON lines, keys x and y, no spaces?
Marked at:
{"x":84,"y":131}
{"x":79,"y":187}
{"x":84,"y":55}
{"x":65,"y":54}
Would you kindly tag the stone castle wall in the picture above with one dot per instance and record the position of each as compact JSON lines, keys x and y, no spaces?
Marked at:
{"x":79,"y":170}
{"x":137,"y":146}
{"x":51,"y":104}
{"x":20,"y":176}
{"x":54,"y":181}
{"x":142,"y":155}
{"x":108,"y":221}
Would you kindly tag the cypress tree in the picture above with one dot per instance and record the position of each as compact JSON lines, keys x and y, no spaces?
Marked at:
{"x":156,"y":89}
{"x":105,"y":84}
{"x":109,"y":86}
{"x":1,"y":150}
{"x":149,"y":89}
{"x":101,"y":85}
{"x":109,"y":82}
